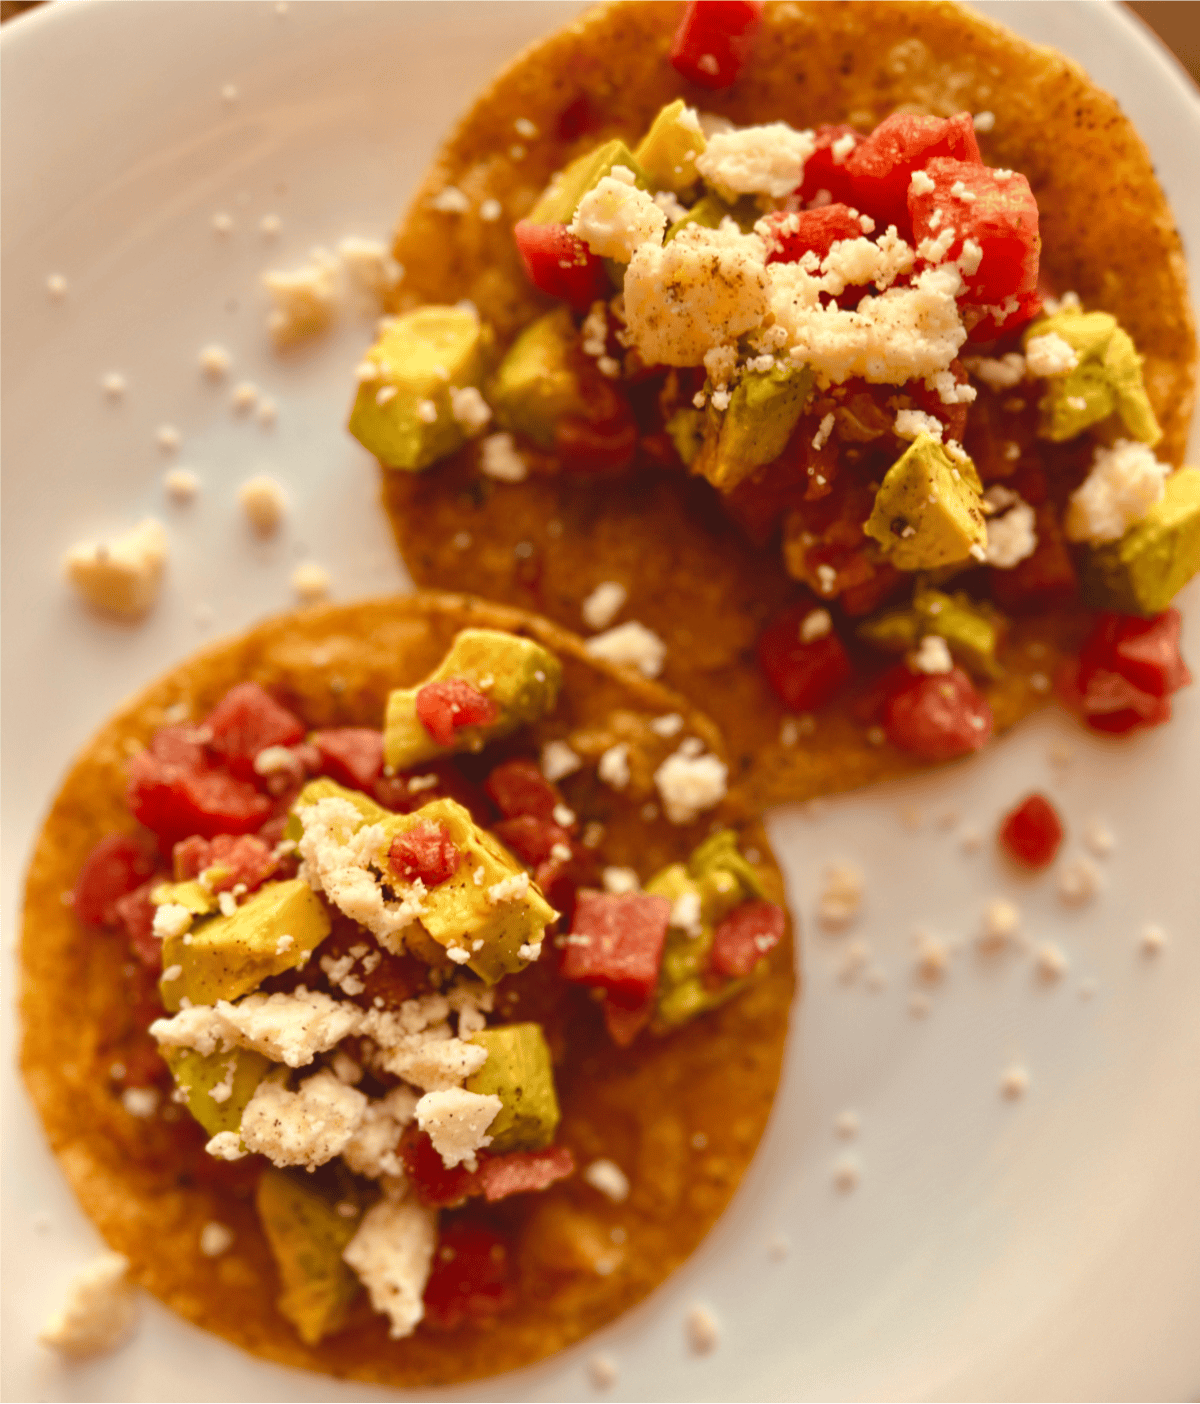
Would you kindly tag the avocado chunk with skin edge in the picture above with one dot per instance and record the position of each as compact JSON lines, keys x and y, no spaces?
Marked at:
{"x":559,"y":203}
{"x":197,"y":1074}
{"x":518,"y":1071}
{"x":928,"y":512}
{"x":755,"y":428}
{"x":1145,"y":569}
{"x":535,"y":384}
{"x":669,"y":149}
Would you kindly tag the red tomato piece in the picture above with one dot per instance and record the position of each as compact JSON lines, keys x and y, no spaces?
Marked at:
{"x":247,"y":720}
{"x":1143,"y":651}
{"x":135,"y":911}
{"x":561,"y":878}
{"x":938,"y":716}
{"x":177,"y":800}
{"x":1031,"y":833}
{"x":425,"y":851}
{"x":560,"y":265}
{"x":882,"y":164}
{"x":189,"y":858}
{"x":747,"y":934}
{"x":616,"y":944}
{"x":351,"y":755}
{"x":791,"y":236}
{"x":435,"y":1184}
{"x":624,"y":1025}
{"x":472,"y":1276}
{"x":444,"y":707}
{"x":243,"y":858}
{"x":519,"y":787}
{"x":804,"y":676}
{"x":823,"y":171}
{"x":1001,"y":217}
{"x":117,"y":864}
{"x":530,"y":838}
{"x":592,"y":449}
{"x":713,"y":40}
{"x":523,"y":1172}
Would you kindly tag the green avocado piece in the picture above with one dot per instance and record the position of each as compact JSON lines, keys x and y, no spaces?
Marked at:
{"x":197,"y":1074}
{"x":228,"y":956}
{"x":763,"y":411}
{"x":971,"y":628}
{"x":419,"y":357}
{"x":307,"y":1235}
{"x":561,"y":200}
{"x":518,"y":1071}
{"x":927,"y":512}
{"x":193,"y":895}
{"x":893,"y":631}
{"x":459,"y":913}
{"x":521,"y":676}
{"x":1144,"y":571}
{"x":669,"y":149}
{"x":709,"y":210}
{"x":686,"y":430}
{"x":535,"y":384}
{"x":719,"y":853}
{"x":1107,"y":380}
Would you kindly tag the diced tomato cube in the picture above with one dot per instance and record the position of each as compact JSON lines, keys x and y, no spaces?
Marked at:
{"x":444,"y":707}
{"x":791,"y":236}
{"x":135,"y":911}
{"x":1032,"y":832}
{"x":177,"y":745}
{"x":823,"y":171}
{"x":561,"y":878}
{"x":247,"y":720}
{"x":713,"y":40}
{"x":189,"y":857}
{"x":624,"y":1025}
{"x":998,"y":213}
{"x":519,"y":787}
{"x":177,"y":800}
{"x":426,"y":851}
{"x":436,"y":1185}
{"x":117,"y":864}
{"x":472,"y":1276}
{"x":938,"y":716}
{"x":616,"y":944}
{"x":804,"y":676}
{"x":530,"y":838}
{"x":747,"y":934}
{"x":523,"y":1172}
{"x":351,"y":755}
{"x":244,"y":860}
{"x":881,"y":166}
{"x":1144,"y":651}
{"x":561,"y":265}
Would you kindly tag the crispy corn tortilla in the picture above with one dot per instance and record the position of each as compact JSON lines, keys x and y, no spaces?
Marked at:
{"x":641,"y":1107}
{"x":1107,"y":233}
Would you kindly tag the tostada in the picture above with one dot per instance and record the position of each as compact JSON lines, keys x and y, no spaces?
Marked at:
{"x":839,"y":355}
{"x":413,"y":953}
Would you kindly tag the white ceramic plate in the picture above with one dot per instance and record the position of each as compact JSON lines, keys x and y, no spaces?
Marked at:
{"x":1043,"y":1247}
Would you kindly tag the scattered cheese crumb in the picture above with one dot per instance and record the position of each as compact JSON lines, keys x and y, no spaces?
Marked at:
{"x":763,"y":160}
{"x":689,"y":784}
{"x":1014,"y":1082}
{"x":244,"y":396}
{"x":56,"y":286}
{"x":456,"y":1122}
{"x":1078,"y":882}
{"x":603,"y":605}
{"x":815,"y":625}
{"x":100,"y":1312}
{"x":1152,"y":939}
{"x":122,"y":576}
{"x":847,"y":1172}
{"x":215,"y":361}
{"x":1001,"y":922}
{"x":500,"y":459}
{"x":215,"y":1239}
{"x":668,"y":725}
{"x":141,"y":1102}
{"x":602,"y":1371}
{"x":932,"y":656}
{"x":608,"y":1177}
{"x":1052,"y":961}
{"x":181,"y":484}
{"x":392,"y":1253}
{"x":824,"y":429}
{"x":984,"y":121}
{"x":264,"y":502}
{"x":847,"y":1124}
{"x":490,"y":210}
{"x":509,"y":889}
{"x":305,"y":299}
{"x":559,"y":761}
{"x":630,"y":644}
{"x":620,"y":880}
{"x":703,"y":1333}
{"x":306,"y":1127}
{"x":613,"y":767}
{"x":469,"y":408}
{"x":114,"y":385}
{"x":1098,"y":838}
{"x":921,"y":183}
{"x":911,"y":424}
{"x":1050,"y":355}
{"x":370,"y":269}
{"x":168,"y":438}
{"x":310,"y":582}
{"x":615,"y":218}
{"x":450,"y":200}
{"x":841,"y":897}
{"x":1125,"y":481}
{"x":1000,"y":373}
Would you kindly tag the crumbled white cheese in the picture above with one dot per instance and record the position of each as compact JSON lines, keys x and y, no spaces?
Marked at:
{"x":427,"y":411}
{"x":911,"y":424}
{"x":310,"y":582}
{"x":469,"y":408}
{"x":450,"y":200}
{"x":668,"y":725}
{"x":1098,"y":838}
{"x":1052,"y":961}
{"x":602,"y":1371}
{"x":181,"y":484}
{"x":766,"y":160}
{"x":456,"y":1122}
{"x":688,"y":785}
{"x":122,"y":576}
{"x":1152,"y":939}
{"x":1078,"y":882}
{"x":620,"y":880}
{"x":630,"y":644}
{"x":490,"y":210}
{"x":614,"y":218}
{"x":857,"y":262}
{"x":244,"y":397}
{"x":703,"y":1333}
{"x":824,"y":429}
{"x":932,"y":655}
{"x":306,"y":1127}
{"x":500,"y":459}
{"x":935,"y":250}
{"x":613,"y":766}
{"x":1014,"y":1082}
{"x":392,"y":1254}
{"x":920,"y":183}
{"x":215,"y":1239}
{"x":290,"y":1028}
{"x":1050,"y":355}
{"x":1000,"y":373}
{"x":227,"y":903}
{"x":100,"y":1311}
{"x":984,"y":121}
{"x":509,"y":889}
{"x":841,"y":896}
{"x":141,"y":1102}
{"x":842,"y":147}
{"x":1001,"y":922}
{"x":949,"y":390}
{"x":226,"y":1145}
{"x":932,"y":958}
{"x":608,"y":1177}
{"x":1126,"y":480}
{"x":200,"y":1027}
{"x":56,"y":286}
{"x":305,"y":299}
{"x":559,"y":761}
{"x":815,"y":625}
{"x":371,"y":1151}
{"x":264,"y":502}
{"x":563,"y":816}
{"x":370,"y":269}
{"x":215,"y":361}
{"x":604,"y":603}
{"x":686,"y":913}
{"x":171,"y":919}
{"x":1011,"y":538}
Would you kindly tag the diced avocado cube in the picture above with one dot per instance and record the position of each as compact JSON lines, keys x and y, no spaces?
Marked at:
{"x":228,"y":956}
{"x":686,"y":430}
{"x":1144,"y":571}
{"x":306,"y":1235}
{"x":535,"y":384}
{"x":561,"y":200}
{"x":518,"y":1071}
{"x":927,"y":513}
{"x":754,"y":430}
{"x":971,"y":629}
{"x":719,"y":853}
{"x":324,"y":788}
{"x":521,"y":676}
{"x":710,"y":210}
{"x":1107,"y":379}
{"x":193,"y":895}
{"x":894,"y":631}
{"x":463,"y":914}
{"x":198,"y":1075}
{"x":404,"y":414}
{"x":669,"y":149}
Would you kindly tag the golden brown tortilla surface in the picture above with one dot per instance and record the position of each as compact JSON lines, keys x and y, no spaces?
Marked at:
{"x":642,"y":1107}
{"x":1107,"y":234}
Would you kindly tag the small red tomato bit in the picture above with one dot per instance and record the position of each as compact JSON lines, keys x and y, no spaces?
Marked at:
{"x":938,"y":716}
{"x":445,"y":707}
{"x":561,"y":265}
{"x":248,"y":720}
{"x":616,"y":944}
{"x":804,"y":676}
{"x":713,"y":40}
{"x":747,"y":935}
{"x":1127,"y":670}
{"x":472,"y":1277}
{"x":881,"y":166}
{"x":1031,"y":833}
{"x":351,"y":755}
{"x":115,"y":867}
{"x":241,"y":860}
{"x":532,"y":840}
{"x":523,"y":1172}
{"x":426,"y":852}
{"x":518,"y":788}
{"x":823,"y":171}
{"x":135,"y":911}
{"x":791,"y":236}
{"x":624,"y":1025}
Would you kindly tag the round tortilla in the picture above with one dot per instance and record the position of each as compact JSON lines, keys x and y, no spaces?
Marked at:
{"x":1107,"y":233}
{"x":645,"y":1107}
